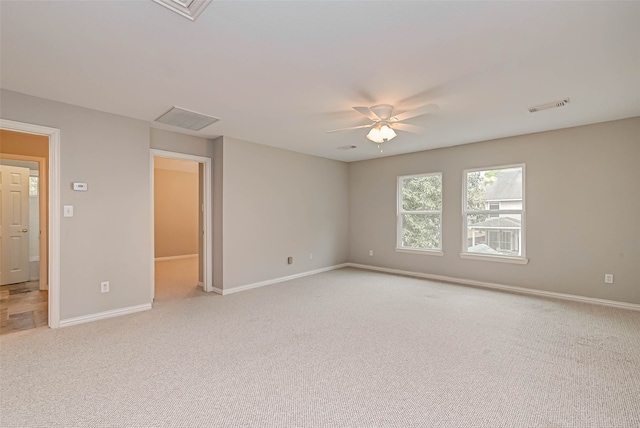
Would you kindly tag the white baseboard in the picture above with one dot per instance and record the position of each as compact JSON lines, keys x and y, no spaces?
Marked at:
{"x":104,"y":315}
{"x":237,"y":289}
{"x":184,"y":256}
{"x":510,"y":288}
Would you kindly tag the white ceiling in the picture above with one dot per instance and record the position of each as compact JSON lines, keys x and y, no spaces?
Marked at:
{"x":283,"y":73}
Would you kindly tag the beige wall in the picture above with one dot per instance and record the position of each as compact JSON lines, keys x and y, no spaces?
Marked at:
{"x":268,"y":204}
{"x":24,"y":144}
{"x":582,"y":208}
{"x":108,"y":239}
{"x":217,"y":213}
{"x":277,"y":203}
{"x":175,"y":211}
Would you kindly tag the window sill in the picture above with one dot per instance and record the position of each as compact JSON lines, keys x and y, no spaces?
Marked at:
{"x":491,"y":258}
{"x":423,"y":252}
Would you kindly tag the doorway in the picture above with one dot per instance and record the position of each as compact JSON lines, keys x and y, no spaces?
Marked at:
{"x":29,"y":281}
{"x":181,"y":221}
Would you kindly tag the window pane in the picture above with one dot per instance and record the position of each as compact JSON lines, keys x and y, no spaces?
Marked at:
{"x":421,"y":231}
{"x":422,"y":193}
{"x":494,"y":235}
{"x":33,"y":186}
{"x":495,"y":189}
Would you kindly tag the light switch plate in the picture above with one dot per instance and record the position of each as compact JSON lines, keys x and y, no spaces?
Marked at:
{"x":68,"y":210}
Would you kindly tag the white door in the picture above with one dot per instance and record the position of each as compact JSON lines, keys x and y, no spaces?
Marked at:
{"x":14,"y":223}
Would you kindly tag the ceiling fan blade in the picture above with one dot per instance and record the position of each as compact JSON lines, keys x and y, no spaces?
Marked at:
{"x":408,"y":128}
{"x":429,"y":108}
{"x":348,"y":129}
{"x":366,"y":111}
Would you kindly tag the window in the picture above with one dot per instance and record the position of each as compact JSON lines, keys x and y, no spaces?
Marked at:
{"x":494,"y":206}
{"x":420,"y":213}
{"x":493,"y":214}
{"x":33,"y":185}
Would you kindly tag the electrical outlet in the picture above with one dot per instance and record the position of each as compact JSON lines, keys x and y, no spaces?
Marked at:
{"x":310,"y":256}
{"x":371,"y":252}
{"x":290,"y":260}
{"x":608,"y":278}
{"x":104,"y":287}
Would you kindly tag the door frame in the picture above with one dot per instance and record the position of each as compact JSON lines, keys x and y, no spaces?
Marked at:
{"x":207,"y":255}
{"x":54,"y":210}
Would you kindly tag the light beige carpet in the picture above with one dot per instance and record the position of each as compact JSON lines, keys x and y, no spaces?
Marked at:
{"x":346,"y":348}
{"x":176,"y":279}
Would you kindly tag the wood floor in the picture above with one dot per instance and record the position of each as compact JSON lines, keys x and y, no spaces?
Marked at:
{"x":23,"y":306}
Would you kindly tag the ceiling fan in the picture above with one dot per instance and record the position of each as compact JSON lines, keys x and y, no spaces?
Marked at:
{"x":384,"y":122}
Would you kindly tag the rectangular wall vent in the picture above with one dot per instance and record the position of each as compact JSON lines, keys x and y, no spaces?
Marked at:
{"x":553,"y":104}
{"x":186,"y":119}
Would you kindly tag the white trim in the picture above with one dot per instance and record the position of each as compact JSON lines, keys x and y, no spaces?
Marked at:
{"x":510,"y":288}
{"x":423,"y":252}
{"x":54,"y":210}
{"x":190,"y":12}
{"x":104,"y":315}
{"x":207,"y":251}
{"x":239,"y":288}
{"x":494,"y":258}
{"x":184,"y":256}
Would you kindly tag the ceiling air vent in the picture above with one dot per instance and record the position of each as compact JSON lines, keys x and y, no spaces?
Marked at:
{"x":186,"y":119}
{"x":347,"y":147}
{"x":190,"y":9}
{"x":553,"y":104}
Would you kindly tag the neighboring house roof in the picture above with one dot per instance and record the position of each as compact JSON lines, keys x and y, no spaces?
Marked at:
{"x":497,"y":223}
{"x":482,"y":248}
{"x":508,"y":186}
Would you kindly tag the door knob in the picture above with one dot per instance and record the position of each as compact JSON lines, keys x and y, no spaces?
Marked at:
{"x":24,"y":230}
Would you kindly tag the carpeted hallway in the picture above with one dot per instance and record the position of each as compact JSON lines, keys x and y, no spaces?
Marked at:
{"x":176,"y":279}
{"x":346,"y":348}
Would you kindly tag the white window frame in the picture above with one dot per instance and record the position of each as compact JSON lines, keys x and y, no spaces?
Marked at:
{"x":521,"y":259}
{"x":400,"y":211}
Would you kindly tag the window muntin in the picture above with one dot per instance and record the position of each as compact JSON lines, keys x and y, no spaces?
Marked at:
{"x":494,"y":212}
{"x":420,"y":212}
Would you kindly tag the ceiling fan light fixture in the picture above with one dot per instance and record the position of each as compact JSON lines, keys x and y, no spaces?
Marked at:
{"x":387,"y":133}
{"x":375,"y":135}
{"x":381,"y":133}
{"x":383,"y":120}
